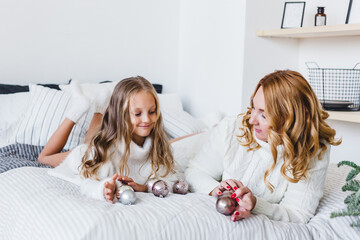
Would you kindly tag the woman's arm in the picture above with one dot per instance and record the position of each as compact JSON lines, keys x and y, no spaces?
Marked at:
{"x":205,"y":171}
{"x":301,"y":199}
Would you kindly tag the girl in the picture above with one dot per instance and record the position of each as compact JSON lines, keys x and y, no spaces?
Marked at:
{"x":274,"y":157}
{"x":129,"y":148}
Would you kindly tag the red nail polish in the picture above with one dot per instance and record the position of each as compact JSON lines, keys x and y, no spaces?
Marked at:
{"x":235,"y":188}
{"x":228,"y":187}
{"x":219,"y":193}
{"x":237,"y":213}
{"x":234,"y":195}
{"x":237,"y":199}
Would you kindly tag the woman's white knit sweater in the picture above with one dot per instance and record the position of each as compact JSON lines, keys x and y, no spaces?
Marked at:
{"x":222,"y":157}
{"x":138,"y":163}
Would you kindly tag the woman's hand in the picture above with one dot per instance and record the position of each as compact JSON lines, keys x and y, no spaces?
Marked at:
{"x":109,"y":189}
{"x":229,"y":185}
{"x":242,"y":194}
{"x":129,"y":181}
{"x":246,"y":200}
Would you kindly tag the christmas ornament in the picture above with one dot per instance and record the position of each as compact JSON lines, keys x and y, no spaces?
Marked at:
{"x":225,"y":204}
{"x":180,"y":187}
{"x":160,"y":189}
{"x":127,"y":195}
{"x":150,"y":183}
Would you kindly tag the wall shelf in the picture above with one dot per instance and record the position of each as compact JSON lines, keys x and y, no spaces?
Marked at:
{"x":313,"y":32}
{"x":345,"y":116}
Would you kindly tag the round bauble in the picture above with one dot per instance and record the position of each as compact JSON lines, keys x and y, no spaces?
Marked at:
{"x":128,"y":197}
{"x":225,"y":204}
{"x":122,"y":188}
{"x":180,"y":187}
{"x":160,"y":189}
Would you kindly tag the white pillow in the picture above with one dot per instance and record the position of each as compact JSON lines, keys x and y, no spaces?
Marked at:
{"x":186,"y":149}
{"x":178,"y":123}
{"x":43,"y":116}
{"x":170,"y":101}
{"x":12,"y":108}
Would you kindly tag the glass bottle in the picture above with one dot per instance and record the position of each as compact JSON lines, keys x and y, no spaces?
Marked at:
{"x":320,"y":17}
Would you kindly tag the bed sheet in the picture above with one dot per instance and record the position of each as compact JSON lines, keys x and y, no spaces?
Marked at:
{"x":35,"y":205}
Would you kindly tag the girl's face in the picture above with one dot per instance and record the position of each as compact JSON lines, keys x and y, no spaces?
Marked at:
{"x":142,"y":109}
{"x":258,"y":119}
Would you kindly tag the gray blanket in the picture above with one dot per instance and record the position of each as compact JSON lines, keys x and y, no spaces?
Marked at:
{"x":20,"y":155}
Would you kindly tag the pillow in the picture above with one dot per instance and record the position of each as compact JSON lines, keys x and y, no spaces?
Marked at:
{"x":170,"y":101}
{"x":45,"y":113}
{"x":186,"y":149}
{"x":12,"y":108}
{"x":178,"y":123}
{"x":10,"y":88}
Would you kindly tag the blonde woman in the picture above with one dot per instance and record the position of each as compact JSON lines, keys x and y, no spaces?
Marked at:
{"x":130,"y":146}
{"x":274,"y":157}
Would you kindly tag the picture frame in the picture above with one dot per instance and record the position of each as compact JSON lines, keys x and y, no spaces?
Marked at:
{"x":293,"y":15}
{"x":353,"y":11}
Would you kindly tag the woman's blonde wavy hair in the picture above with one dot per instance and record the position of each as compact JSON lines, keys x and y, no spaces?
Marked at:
{"x":116,"y":127}
{"x":296,"y":121}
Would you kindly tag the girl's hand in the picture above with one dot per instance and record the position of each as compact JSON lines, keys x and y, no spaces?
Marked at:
{"x":129,"y":181}
{"x":246,"y":200}
{"x":109,"y":189}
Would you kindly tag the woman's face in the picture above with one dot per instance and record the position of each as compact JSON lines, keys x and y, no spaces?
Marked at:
{"x":142,"y":111}
{"x":258,"y":119}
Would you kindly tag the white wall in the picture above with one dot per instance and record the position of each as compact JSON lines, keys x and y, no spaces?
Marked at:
{"x":335,"y":52}
{"x":264,"y":55}
{"x":91,"y":40}
{"x":211,"y":55}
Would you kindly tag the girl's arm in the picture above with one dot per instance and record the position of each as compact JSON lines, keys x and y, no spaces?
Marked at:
{"x":51,"y":154}
{"x":301,"y":199}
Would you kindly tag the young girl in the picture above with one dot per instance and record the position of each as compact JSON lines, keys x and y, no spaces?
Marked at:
{"x":274,"y":157}
{"x":129,"y":148}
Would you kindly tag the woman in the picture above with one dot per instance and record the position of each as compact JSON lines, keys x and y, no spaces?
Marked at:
{"x":274,"y":157}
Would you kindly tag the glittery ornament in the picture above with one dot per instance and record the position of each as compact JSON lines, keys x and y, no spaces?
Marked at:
{"x":180,"y":187}
{"x":225,"y":204}
{"x":150,"y":183}
{"x":160,"y":189}
{"x":128,"y":197}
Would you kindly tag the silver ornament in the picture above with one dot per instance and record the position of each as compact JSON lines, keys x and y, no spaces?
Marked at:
{"x":122,"y":188}
{"x":225,"y":204}
{"x":150,"y":183}
{"x":180,"y":187}
{"x":160,"y":189}
{"x":128,"y":197}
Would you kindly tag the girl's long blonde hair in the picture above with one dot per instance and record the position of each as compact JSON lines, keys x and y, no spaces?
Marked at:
{"x":116,"y":127}
{"x":296,"y":121}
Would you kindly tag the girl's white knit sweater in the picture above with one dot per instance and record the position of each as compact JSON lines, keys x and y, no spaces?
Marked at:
{"x":139,"y":168}
{"x":222,"y":157}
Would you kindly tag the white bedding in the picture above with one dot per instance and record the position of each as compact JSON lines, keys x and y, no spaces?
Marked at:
{"x":35,"y":205}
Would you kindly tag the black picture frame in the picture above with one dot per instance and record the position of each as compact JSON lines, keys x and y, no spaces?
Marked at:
{"x":348,"y":12}
{"x":293,"y":15}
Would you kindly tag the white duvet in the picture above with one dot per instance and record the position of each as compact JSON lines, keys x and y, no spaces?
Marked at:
{"x":35,"y":205}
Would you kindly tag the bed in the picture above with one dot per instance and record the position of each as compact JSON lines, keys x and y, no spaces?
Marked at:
{"x":36,"y":205}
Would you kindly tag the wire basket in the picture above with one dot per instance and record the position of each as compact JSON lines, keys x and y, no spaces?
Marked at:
{"x":337,"y":89}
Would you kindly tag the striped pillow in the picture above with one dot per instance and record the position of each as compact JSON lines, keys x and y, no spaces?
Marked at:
{"x":45,"y":113}
{"x":178,"y":123}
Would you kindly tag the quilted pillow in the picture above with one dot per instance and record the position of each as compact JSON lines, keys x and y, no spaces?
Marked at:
{"x":45,"y":113}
